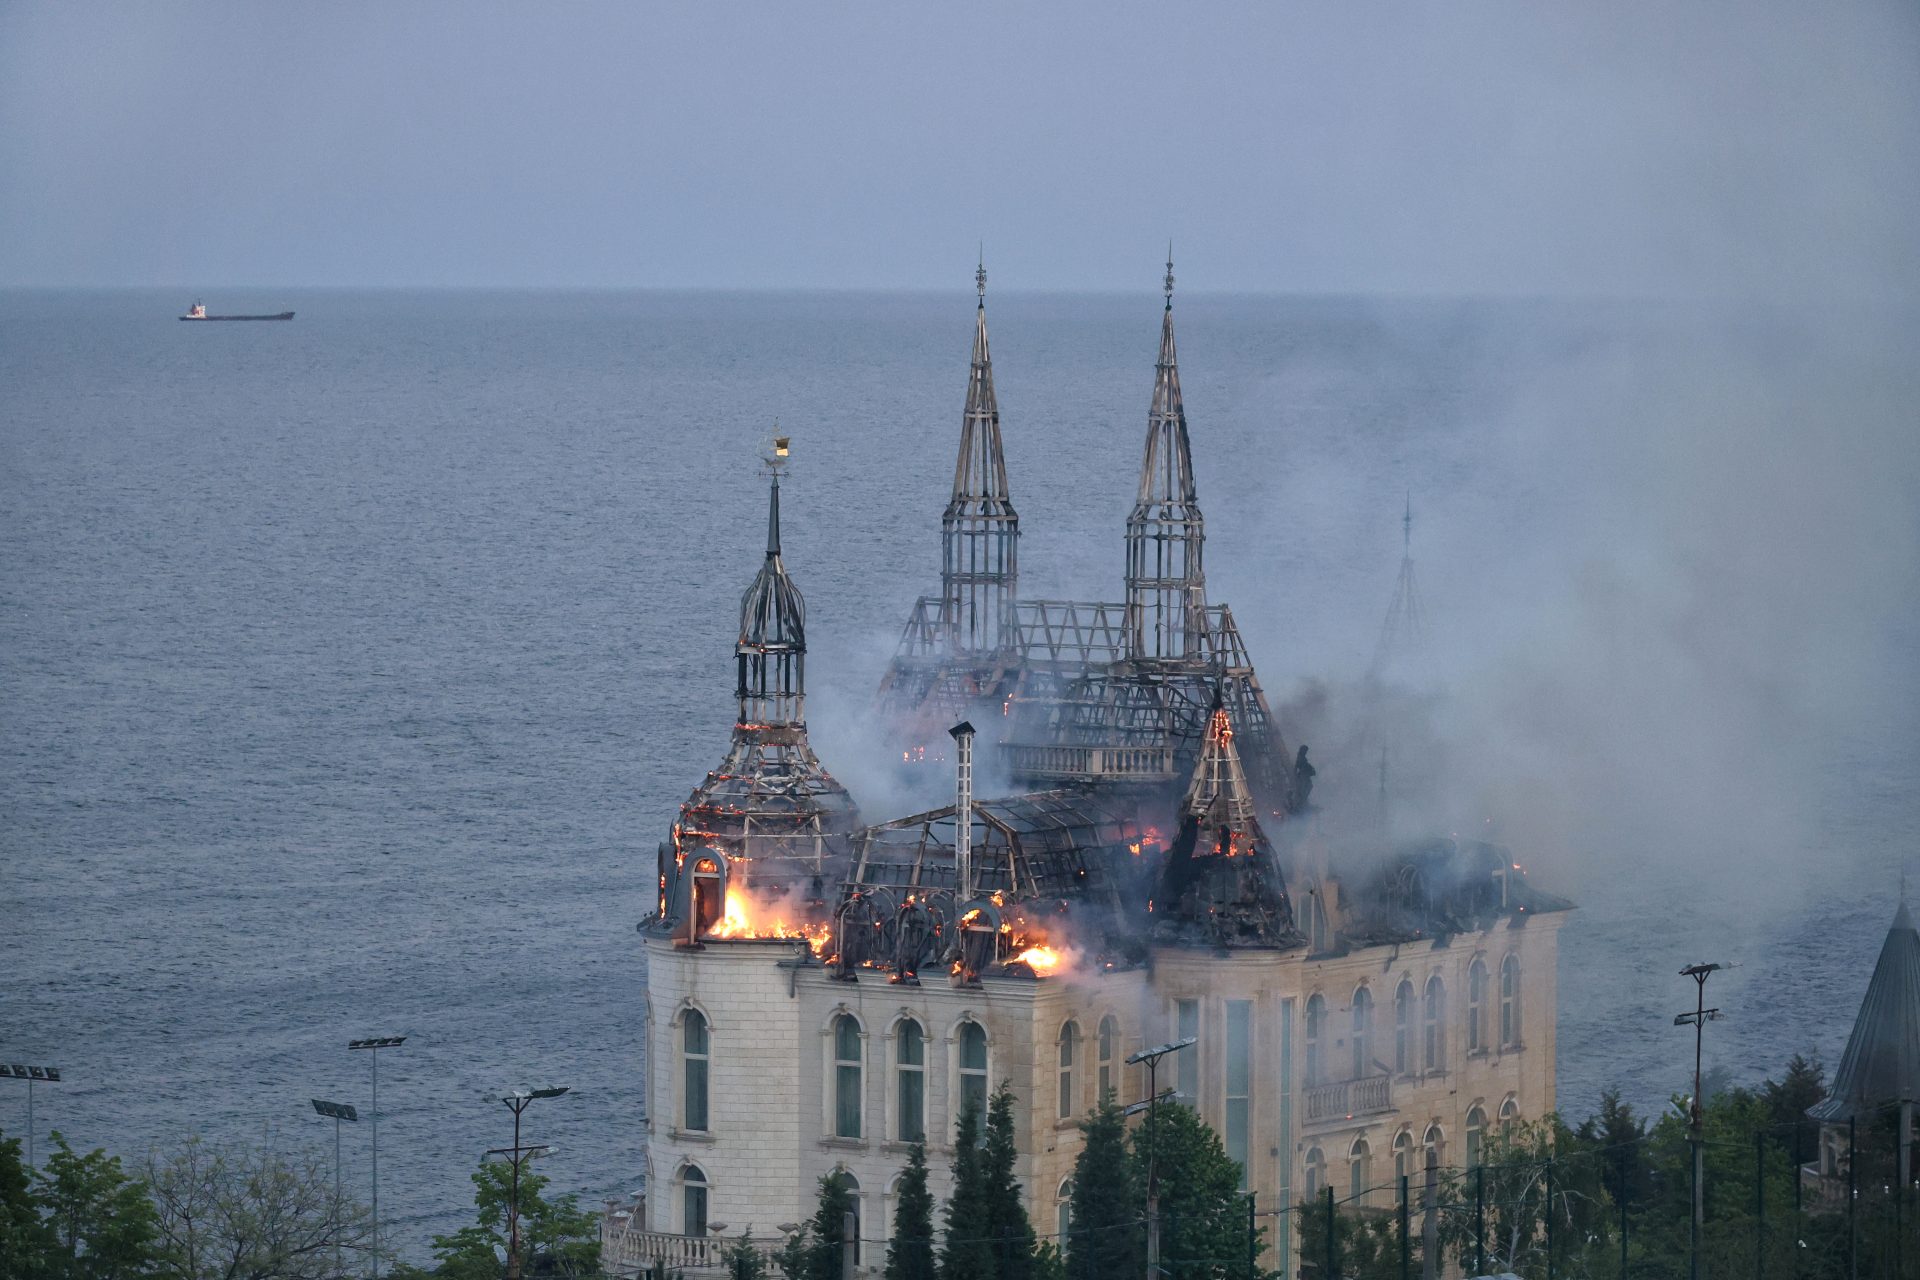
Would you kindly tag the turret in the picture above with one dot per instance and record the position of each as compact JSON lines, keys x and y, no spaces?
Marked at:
{"x":1166,"y":583}
{"x":980,"y":532}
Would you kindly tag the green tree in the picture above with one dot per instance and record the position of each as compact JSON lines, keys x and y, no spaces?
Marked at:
{"x":826,"y":1247}
{"x":557,"y":1237}
{"x":967,"y":1252}
{"x":101,"y":1222}
{"x":744,"y":1260}
{"x":1203,"y":1214}
{"x":24,"y":1239}
{"x":910,"y":1252}
{"x":1803,"y":1085}
{"x":1104,"y":1237}
{"x":1530,"y":1172}
{"x":1008,"y":1229}
{"x":247,"y":1213}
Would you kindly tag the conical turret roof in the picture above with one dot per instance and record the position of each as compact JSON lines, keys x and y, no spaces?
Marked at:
{"x":1217,"y":796}
{"x":980,"y":471}
{"x":1882,"y":1061}
{"x":772,"y":612}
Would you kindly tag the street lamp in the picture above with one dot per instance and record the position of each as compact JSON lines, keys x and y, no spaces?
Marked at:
{"x":1699,"y":1018}
{"x":32,"y":1075}
{"x":337,"y":1111}
{"x":517,"y":1102}
{"x":1152,"y":1104}
{"x":375,"y":1044}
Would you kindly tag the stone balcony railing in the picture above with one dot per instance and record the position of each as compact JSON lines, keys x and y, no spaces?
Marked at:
{"x":626,"y":1252}
{"x":1348,"y":1099}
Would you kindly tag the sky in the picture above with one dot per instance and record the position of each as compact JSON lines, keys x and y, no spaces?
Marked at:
{"x":1752,"y":149}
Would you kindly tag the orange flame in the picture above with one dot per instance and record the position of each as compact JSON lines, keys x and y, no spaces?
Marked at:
{"x":1044,"y":960}
{"x":745,"y":918}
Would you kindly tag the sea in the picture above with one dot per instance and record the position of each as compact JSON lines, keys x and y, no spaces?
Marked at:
{"x":351,"y":669}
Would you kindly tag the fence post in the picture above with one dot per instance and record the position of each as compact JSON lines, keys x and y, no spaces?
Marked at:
{"x":1759,"y":1204}
{"x":1623,"y":1216}
{"x":1799,"y":1159}
{"x":1853,"y":1233}
{"x":1331,"y":1273}
{"x":1406,"y":1245}
{"x":1549,"y":1218}
{"x":1480,"y":1219}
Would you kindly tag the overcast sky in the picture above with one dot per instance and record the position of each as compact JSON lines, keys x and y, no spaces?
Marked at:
{"x":1690,"y":148}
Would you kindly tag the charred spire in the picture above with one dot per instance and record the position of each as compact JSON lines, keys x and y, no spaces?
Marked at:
{"x":980,"y":532}
{"x":1166,"y":583}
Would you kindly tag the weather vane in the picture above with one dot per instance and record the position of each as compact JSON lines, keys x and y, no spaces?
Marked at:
{"x":1169,"y":275}
{"x":782,"y":446}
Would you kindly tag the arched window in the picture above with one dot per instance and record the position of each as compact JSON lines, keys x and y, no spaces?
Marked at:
{"x":973,"y":1072}
{"x":1316,"y":1040}
{"x":1403,"y":1028}
{"x":852,"y":1185}
{"x":1316,"y":1173}
{"x":1436,"y":1142}
{"x":693,"y":1054}
{"x":1362,"y":1033}
{"x":910,"y":1078}
{"x":1509,"y":1115}
{"x":1477,"y":1006}
{"x":1359,"y":1170}
{"x":693,"y":1201}
{"x":1109,"y":1039}
{"x":1402,"y":1155}
{"x":1069,"y":1040}
{"x":1063,"y":1213}
{"x":846,"y":1076}
{"x":1433,"y":1053}
{"x":1510,"y":1002}
{"x":1476,"y":1135}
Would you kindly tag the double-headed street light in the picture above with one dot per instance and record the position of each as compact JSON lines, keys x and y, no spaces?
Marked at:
{"x":32,"y":1075}
{"x":1151,"y":1105}
{"x":517,"y":1102}
{"x":337,"y":1111}
{"x":375,"y":1044}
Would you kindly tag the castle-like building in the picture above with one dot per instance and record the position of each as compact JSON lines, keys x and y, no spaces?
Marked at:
{"x":822,"y":994}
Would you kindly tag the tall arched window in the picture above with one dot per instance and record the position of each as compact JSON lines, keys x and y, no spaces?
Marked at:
{"x":1509,"y":1116}
{"x":1359,"y":1170}
{"x":1316,"y":1173}
{"x":1477,"y":1006}
{"x":910,"y":1082}
{"x":1476,"y":1135}
{"x":693,"y":1054}
{"x":1362,"y":1033}
{"x":1402,"y":1155}
{"x":973,"y":1071}
{"x":1069,"y":1042}
{"x":1510,"y":1001}
{"x":1063,"y":1213}
{"x":1109,"y":1039}
{"x":693,"y":1201}
{"x":1403,"y":1028}
{"x":1436,"y":1142}
{"x":1434,"y":1042}
{"x":852,"y":1185}
{"x":846,"y":1077}
{"x":1316,"y":1040}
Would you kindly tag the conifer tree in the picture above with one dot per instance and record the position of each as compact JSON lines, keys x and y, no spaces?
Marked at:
{"x":824,"y":1253}
{"x":910,"y":1252}
{"x":1008,"y":1228}
{"x":967,"y":1251}
{"x":1104,"y":1237}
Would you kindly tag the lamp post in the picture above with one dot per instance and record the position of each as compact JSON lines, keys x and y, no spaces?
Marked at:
{"x":374,"y":1045}
{"x":337,"y":1111}
{"x":1151,"y":1106}
{"x":517,"y":1102}
{"x":32,"y":1075}
{"x":1696,"y":1135}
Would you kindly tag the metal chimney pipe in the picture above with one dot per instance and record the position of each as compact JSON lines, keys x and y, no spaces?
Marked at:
{"x":963,"y":810}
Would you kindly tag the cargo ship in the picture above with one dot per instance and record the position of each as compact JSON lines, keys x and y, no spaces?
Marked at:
{"x":198,"y":311}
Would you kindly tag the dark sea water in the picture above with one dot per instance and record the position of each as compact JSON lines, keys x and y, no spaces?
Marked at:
{"x":351,"y":669}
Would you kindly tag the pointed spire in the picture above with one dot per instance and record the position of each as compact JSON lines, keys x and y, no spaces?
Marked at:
{"x":1218,"y":797}
{"x":773,"y":626}
{"x":1881,"y":1064}
{"x":1166,"y":534}
{"x":979,"y":532}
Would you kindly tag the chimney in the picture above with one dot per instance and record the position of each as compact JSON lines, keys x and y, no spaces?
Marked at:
{"x":963,"y":811}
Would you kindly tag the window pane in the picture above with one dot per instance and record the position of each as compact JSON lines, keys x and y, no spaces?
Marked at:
{"x":694,"y":1027}
{"x":1188,"y":1082}
{"x":846,"y":1115}
{"x":696,"y":1210}
{"x":846,"y":1039}
{"x":1236,"y":1137}
{"x":912,"y":1107}
{"x":912,"y":1044}
{"x":697,"y":1094}
{"x":973,"y":1088}
{"x":973,"y":1047}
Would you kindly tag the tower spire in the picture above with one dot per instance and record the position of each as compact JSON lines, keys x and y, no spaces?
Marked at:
{"x":980,"y":531}
{"x":771,"y":653}
{"x":1404,"y":630}
{"x":1166,"y":579}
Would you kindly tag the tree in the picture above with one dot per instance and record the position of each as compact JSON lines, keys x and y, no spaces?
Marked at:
{"x":1804,"y":1084}
{"x":1527,"y":1172}
{"x":102,"y":1225}
{"x":967,"y":1252}
{"x":822,"y":1256}
{"x":556,"y":1236}
{"x":1104,"y":1239}
{"x":24,"y":1240}
{"x":250,"y":1213}
{"x":743,"y":1260}
{"x":1203,"y":1214}
{"x":910,"y":1252}
{"x":1008,"y":1228}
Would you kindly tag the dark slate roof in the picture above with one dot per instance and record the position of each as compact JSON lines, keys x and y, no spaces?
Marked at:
{"x":1882,"y":1061}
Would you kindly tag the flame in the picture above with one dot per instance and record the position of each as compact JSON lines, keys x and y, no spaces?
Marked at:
{"x":744,"y":918}
{"x":1043,"y":960}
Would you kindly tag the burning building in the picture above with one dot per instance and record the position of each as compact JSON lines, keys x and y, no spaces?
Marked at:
{"x":820,"y":995}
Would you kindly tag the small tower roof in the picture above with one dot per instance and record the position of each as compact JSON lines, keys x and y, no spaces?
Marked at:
{"x":1166,"y":473}
{"x":773,"y":615}
{"x":1882,"y":1060}
{"x":1218,"y":797}
{"x":980,"y":473}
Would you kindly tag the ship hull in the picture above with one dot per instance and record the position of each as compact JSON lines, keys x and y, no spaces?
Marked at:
{"x":284,"y":315}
